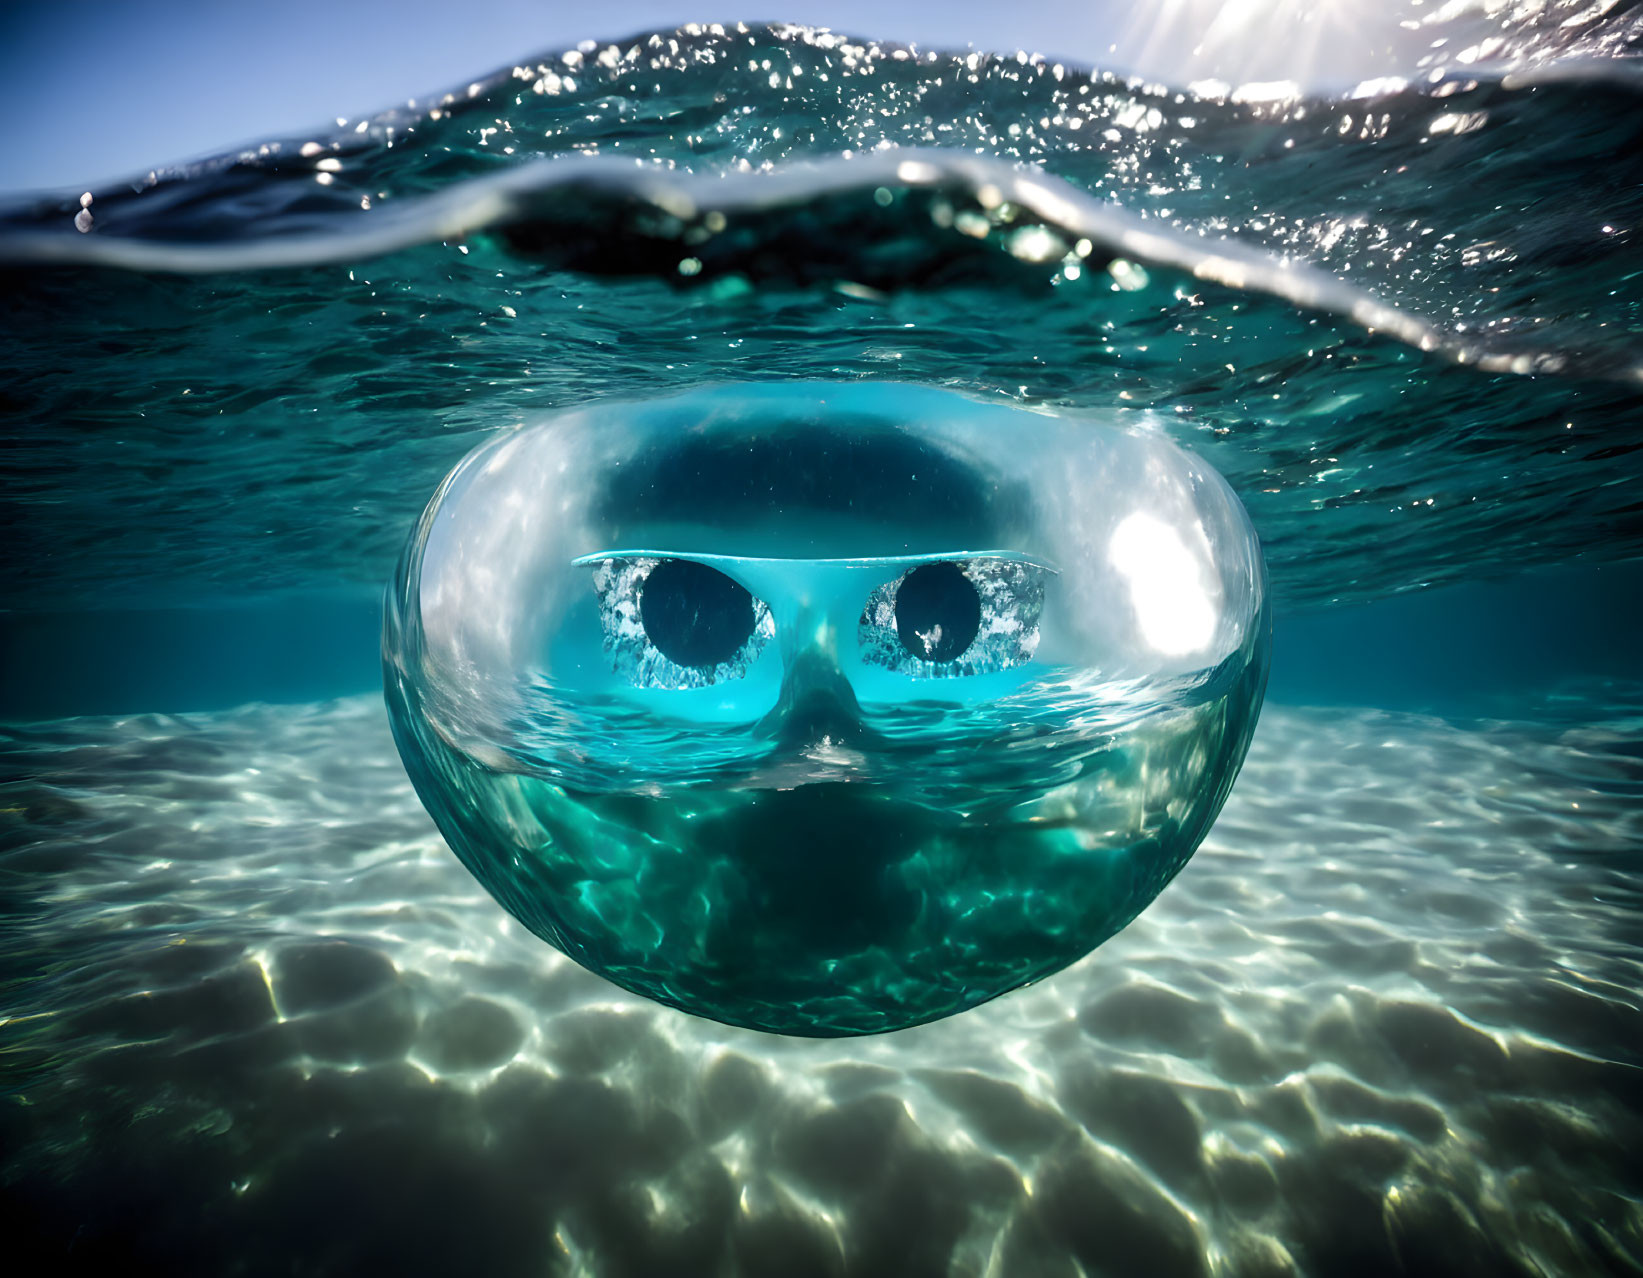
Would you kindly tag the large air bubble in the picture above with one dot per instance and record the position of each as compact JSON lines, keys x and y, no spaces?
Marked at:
{"x":826,"y":709}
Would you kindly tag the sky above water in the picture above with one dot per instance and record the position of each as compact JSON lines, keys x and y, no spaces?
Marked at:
{"x":111,"y":88}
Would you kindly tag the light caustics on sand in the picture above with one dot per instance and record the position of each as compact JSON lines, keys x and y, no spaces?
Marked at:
{"x":826,"y":709}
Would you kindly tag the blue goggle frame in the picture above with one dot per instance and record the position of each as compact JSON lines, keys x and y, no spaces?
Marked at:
{"x":819,"y":603}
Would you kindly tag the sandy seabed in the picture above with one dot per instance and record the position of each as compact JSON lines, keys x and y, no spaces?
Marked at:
{"x":258,"y":1020}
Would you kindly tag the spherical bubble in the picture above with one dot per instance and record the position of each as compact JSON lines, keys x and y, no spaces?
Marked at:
{"x":826,"y":709}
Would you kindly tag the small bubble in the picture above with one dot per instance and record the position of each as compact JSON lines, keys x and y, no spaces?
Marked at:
{"x":1128,"y":276}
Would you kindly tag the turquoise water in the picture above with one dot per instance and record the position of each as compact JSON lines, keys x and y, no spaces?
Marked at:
{"x":257,"y":1018}
{"x":382,"y":343}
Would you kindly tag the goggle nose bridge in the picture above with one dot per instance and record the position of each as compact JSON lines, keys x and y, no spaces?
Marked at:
{"x":815,"y":603}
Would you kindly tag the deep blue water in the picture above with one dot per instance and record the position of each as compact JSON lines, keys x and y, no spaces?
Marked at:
{"x":257,"y":1019}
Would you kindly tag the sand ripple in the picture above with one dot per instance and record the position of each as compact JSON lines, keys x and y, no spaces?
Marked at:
{"x":258,"y":1020}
